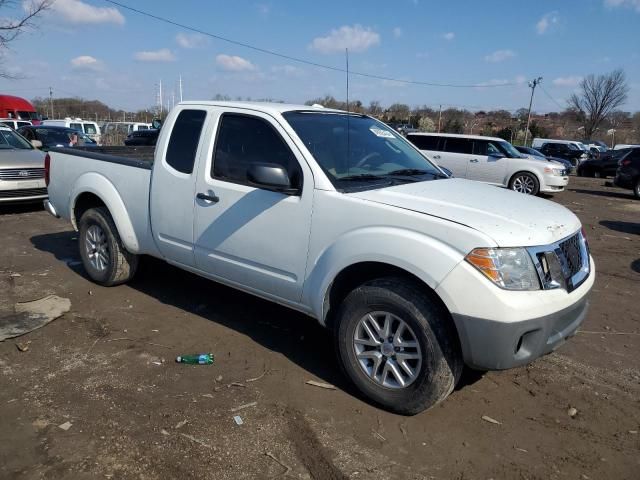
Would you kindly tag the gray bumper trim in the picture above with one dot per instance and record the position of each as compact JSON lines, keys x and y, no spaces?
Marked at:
{"x":50,"y":208}
{"x":491,"y":345}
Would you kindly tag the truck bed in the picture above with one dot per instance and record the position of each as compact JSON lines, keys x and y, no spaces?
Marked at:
{"x":140,"y":157}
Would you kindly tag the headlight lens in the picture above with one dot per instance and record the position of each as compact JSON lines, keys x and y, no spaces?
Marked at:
{"x":509,"y":268}
{"x":554,"y":171}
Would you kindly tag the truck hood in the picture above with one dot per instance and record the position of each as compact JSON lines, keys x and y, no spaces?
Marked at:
{"x":511,"y":219}
{"x":21,"y":158}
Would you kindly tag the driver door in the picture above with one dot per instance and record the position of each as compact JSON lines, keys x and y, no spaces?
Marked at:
{"x":245,"y":235}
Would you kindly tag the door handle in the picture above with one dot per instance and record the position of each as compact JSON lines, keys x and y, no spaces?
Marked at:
{"x":208,"y":198}
{"x":436,"y":156}
{"x":474,"y":160}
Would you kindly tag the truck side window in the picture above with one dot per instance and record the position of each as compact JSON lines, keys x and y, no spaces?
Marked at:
{"x":185,"y":136}
{"x":244,"y":140}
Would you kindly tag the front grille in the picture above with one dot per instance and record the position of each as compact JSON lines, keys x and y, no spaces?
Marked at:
{"x":572,"y":261}
{"x":25,"y":192}
{"x":21,"y":173}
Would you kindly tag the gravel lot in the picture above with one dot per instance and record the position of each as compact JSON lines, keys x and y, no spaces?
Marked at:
{"x":107,"y":367}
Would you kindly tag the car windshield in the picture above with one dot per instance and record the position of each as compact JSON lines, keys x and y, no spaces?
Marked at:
{"x":356,"y":151}
{"x":50,"y":136}
{"x":510,"y":150}
{"x":572,"y":146}
{"x":11,"y":140}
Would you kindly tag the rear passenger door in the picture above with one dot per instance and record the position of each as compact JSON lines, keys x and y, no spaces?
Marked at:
{"x":173,"y":186}
{"x":455,"y":155}
{"x":488,"y":163}
{"x":246,"y":235}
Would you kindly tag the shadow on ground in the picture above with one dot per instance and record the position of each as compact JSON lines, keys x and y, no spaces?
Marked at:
{"x":18,"y":208}
{"x":275,"y":327}
{"x":604,"y":193}
{"x":624,"y":227}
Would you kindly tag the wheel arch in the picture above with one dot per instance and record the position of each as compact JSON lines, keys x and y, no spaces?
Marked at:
{"x":530,"y":172}
{"x":92,"y":190}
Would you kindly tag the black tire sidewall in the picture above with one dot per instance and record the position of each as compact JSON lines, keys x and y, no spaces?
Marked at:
{"x":636,"y":188}
{"x":96,"y":216}
{"x":432,"y":385}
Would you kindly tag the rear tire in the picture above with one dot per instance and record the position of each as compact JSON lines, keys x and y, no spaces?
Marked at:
{"x":420,"y":347}
{"x":636,"y":188}
{"x":105,"y":259}
{"x":524,"y":182}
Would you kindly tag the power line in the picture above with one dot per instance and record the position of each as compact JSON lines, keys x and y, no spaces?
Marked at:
{"x":551,"y":98}
{"x":300,"y":60}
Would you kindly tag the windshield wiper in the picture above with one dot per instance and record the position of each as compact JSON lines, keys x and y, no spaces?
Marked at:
{"x":415,"y":172}
{"x":362,"y":176}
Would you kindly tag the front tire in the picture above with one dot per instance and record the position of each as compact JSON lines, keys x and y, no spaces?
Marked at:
{"x":524,"y":182}
{"x":398,"y":345}
{"x":105,"y":259}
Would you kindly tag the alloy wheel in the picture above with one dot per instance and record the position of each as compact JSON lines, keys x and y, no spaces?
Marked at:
{"x":97,"y":247}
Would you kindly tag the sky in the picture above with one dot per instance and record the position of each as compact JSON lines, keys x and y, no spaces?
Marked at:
{"x":96,"y":50}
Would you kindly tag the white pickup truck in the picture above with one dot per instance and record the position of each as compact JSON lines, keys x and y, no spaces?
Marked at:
{"x":336,"y":215}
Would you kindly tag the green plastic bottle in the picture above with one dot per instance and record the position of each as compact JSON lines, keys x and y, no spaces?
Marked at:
{"x":199,"y":359}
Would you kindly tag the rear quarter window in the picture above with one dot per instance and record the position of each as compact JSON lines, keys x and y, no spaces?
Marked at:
{"x":458,"y":145}
{"x":184,"y":140}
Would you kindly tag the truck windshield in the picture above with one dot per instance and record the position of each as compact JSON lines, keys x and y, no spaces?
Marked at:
{"x":355,"y":149}
{"x":11,"y":140}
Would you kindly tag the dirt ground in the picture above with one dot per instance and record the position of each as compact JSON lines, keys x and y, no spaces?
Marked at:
{"x":108,"y":368}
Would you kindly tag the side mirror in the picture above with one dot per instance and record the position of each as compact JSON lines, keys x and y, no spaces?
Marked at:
{"x":271,"y":177}
{"x":36,"y":143}
{"x":156,"y":124}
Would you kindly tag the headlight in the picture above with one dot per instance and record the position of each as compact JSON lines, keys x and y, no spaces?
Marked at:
{"x":554,"y":171}
{"x":509,"y":268}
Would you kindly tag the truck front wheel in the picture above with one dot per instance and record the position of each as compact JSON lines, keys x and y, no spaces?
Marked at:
{"x":398,"y":345}
{"x":104,"y":257}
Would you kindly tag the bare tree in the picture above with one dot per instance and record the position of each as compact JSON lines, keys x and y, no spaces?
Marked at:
{"x":598,"y":97}
{"x":12,"y":26}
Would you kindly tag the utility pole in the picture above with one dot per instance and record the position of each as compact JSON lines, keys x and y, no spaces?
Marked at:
{"x":51,"y":101}
{"x":439,"y":118}
{"x":180,"y":82}
{"x":532,"y":84}
{"x":160,"y":99}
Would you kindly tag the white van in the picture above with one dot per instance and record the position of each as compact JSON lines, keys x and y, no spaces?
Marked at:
{"x":91,"y":129}
{"x":491,"y":160}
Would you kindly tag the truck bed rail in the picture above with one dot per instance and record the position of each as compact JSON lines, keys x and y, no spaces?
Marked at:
{"x":139,"y":157}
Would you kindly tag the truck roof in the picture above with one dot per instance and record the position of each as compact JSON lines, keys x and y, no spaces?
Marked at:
{"x":267,"y":107}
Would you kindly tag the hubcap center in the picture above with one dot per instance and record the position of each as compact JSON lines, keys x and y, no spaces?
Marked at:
{"x":387,"y":349}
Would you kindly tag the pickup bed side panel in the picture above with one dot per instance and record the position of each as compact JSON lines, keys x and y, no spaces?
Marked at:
{"x":347,"y":231}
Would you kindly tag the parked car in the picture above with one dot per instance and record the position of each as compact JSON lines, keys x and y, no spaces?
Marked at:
{"x":532,"y":152}
{"x":53,"y":136}
{"x":491,"y":160}
{"x":628,"y":173}
{"x":91,"y":129}
{"x":124,"y":128}
{"x":602,"y":166}
{"x":142,"y":137}
{"x":414,"y":273}
{"x":568,"y":151}
{"x":21,"y":169}
{"x":14,"y":124}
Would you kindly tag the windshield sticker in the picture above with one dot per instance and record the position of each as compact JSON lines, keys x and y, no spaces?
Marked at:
{"x":378,"y":132}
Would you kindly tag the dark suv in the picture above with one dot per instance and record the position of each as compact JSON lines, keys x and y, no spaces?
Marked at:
{"x":628,"y":174}
{"x":562,"y":150}
{"x":602,"y":166}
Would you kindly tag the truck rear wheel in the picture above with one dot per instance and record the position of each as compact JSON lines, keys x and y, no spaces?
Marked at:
{"x":397,"y":345}
{"x":104,"y":257}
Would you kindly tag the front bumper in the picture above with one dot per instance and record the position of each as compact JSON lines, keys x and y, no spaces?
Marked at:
{"x":22,"y":190}
{"x":500,"y":329}
{"x":554,"y":183}
{"x":491,"y":345}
